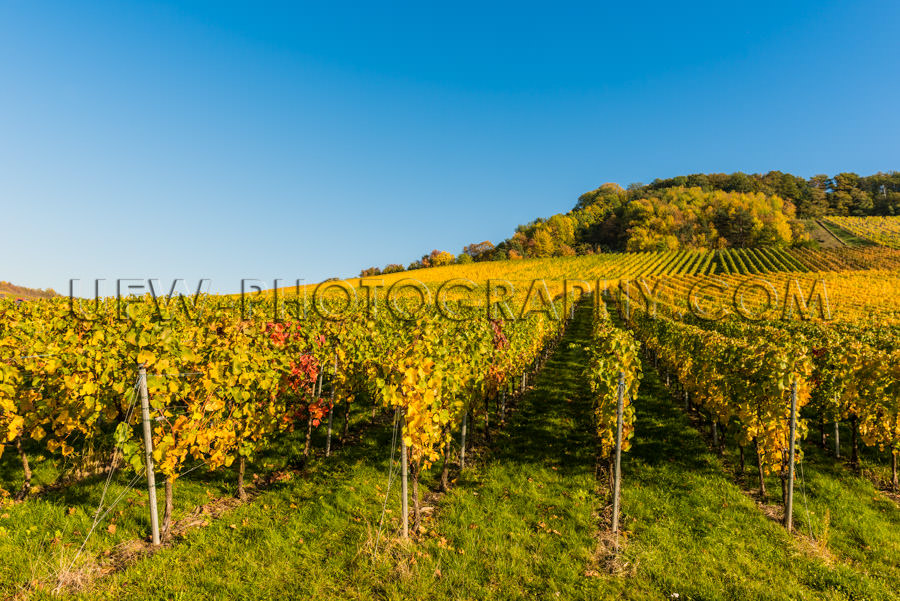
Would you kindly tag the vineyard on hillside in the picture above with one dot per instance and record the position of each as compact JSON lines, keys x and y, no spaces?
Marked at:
{"x":880,"y":230}
{"x":776,"y":352}
{"x":614,"y":266}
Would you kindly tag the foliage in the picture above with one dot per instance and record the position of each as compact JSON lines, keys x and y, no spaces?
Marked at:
{"x":880,"y":230}
{"x":612,"y":352}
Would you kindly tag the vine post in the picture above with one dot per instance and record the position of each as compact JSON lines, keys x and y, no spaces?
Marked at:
{"x":148,"y":453}
{"x":789,"y":499}
{"x":617,"y":482}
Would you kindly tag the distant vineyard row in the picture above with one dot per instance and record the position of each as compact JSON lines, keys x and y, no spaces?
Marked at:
{"x":751,"y":261}
{"x":611,"y":266}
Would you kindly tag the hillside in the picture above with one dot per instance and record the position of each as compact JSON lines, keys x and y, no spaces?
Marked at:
{"x":693,"y":212}
{"x":11,"y":291}
{"x":507,"y":428}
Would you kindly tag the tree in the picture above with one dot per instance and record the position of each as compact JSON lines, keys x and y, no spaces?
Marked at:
{"x":543,"y":244}
{"x":740,"y":182}
{"x":607,"y":195}
{"x":479,"y":251}
{"x":439,"y":258}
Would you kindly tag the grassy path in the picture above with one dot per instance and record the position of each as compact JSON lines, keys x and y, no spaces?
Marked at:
{"x":522,"y":522}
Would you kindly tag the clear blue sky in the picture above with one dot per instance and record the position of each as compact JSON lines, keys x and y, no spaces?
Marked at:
{"x":233,"y":141}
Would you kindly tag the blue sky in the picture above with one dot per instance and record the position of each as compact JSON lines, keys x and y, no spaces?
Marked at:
{"x":230,"y":141}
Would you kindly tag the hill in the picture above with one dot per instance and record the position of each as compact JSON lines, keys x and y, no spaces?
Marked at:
{"x":12,"y":291}
{"x":698,"y":211}
{"x":521,"y":510}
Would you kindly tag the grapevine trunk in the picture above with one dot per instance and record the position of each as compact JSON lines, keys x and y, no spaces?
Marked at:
{"x":894,"y":481}
{"x":346,"y":424}
{"x":167,"y":516}
{"x":242,"y":468}
{"x":26,"y":469}
{"x":759,"y":468}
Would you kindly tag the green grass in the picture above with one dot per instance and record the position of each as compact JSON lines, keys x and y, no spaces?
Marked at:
{"x":43,"y":534}
{"x":522,"y":522}
{"x":696,"y":531}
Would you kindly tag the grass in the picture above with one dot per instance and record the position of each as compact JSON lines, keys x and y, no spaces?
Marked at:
{"x":698,"y":532}
{"x":846,"y":236}
{"x":525,"y":521}
{"x":41,"y":536}
{"x":822,"y":237}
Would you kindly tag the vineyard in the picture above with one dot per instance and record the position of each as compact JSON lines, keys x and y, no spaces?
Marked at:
{"x":880,"y":230}
{"x":739,"y":405}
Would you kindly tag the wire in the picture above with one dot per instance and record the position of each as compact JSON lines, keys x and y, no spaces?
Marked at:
{"x":805,"y":504}
{"x":391,"y":474}
{"x":199,"y":465}
{"x":97,"y":517}
{"x":128,"y":488}
{"x":17,"y":359}
{"x":186,"y":374}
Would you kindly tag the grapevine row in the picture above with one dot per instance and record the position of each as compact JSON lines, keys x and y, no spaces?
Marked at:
{"x":224,"y":384}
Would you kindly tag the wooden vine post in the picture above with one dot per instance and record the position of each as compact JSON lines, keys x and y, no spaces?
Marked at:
{"x":617,"y":476}
{"x":148,"y":453}
{"x":789,"y":497}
